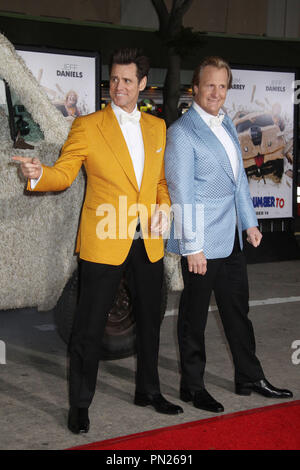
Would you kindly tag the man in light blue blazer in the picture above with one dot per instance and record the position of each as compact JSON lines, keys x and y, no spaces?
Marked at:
{"x":212,"y":207}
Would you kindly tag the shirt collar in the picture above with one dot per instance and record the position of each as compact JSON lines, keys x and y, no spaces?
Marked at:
{"x":118,"y":111}
{"x":205,"y":116}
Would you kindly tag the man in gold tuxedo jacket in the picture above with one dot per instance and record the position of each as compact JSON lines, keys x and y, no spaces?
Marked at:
{"x":122,"y":151}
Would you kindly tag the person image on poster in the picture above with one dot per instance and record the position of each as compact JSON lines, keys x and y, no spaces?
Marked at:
{"x":69,"y":107}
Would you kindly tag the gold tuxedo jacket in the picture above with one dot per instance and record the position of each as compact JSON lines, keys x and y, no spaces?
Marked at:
{"x":113,"y":201}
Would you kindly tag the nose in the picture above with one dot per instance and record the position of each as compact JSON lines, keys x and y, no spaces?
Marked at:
{"x":215,"y":92}
{"x":119,"y":85}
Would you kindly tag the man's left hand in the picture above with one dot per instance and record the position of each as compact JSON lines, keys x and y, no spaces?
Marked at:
{"x":159,"y":222}
{"x":254,"y":236}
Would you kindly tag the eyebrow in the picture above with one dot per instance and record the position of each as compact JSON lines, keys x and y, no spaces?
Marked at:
{"x":212,"y":83}
{"x":121,"y":78}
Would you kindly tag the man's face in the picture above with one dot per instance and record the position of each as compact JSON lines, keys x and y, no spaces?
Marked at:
{"x":124,"y":86}
{"x":211,"y":91}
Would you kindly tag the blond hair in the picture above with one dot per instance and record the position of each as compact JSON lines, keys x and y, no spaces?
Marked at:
{"x":213,"y":61}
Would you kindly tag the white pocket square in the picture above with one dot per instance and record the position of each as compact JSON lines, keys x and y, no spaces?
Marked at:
{"x":159,"y":150}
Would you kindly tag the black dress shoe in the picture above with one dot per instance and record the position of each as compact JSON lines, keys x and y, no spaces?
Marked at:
{"x":202,"y":399}
{"x":263,"y":387}
{"x":159,"y":403}
{"x":78,"y":420}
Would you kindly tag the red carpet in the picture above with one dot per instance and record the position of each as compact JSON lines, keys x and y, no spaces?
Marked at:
{"x":275,"y":427}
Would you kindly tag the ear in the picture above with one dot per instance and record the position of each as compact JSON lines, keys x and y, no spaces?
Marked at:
{"x":195,"y":90}
{"x":143,"y":83}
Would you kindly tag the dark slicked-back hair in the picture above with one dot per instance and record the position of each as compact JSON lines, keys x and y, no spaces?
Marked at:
{"x":128,"y":56}
{"x":214,"y":61}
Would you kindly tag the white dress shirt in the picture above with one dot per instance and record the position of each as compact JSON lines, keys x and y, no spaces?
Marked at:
{"x":133,"y":136}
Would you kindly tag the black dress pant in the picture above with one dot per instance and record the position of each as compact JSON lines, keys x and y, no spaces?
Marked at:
{"x":98,"y":287}
{"x":227,"y":277}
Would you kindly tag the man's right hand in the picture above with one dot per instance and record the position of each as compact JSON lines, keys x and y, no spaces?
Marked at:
{"x":30,"y":167}
{"x":197,"y":263}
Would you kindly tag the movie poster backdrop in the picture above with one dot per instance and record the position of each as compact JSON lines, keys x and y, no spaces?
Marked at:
{"x":261,"y":106}
{"x":70,"y":79}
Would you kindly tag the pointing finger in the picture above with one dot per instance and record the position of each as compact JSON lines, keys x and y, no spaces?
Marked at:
{"x":17,"y":158}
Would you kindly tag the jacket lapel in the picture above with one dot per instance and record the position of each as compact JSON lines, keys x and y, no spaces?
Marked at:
{"x":148,"y":133}
{"x":111,"y":132}
{"x":212,"y":142}
{"x":228,"y":126}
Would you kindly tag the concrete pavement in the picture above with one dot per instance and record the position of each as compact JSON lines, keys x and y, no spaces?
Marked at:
{"x":33,"y":386}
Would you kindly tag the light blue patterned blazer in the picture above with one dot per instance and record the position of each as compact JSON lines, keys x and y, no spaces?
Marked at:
{"x":208,"y":202}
